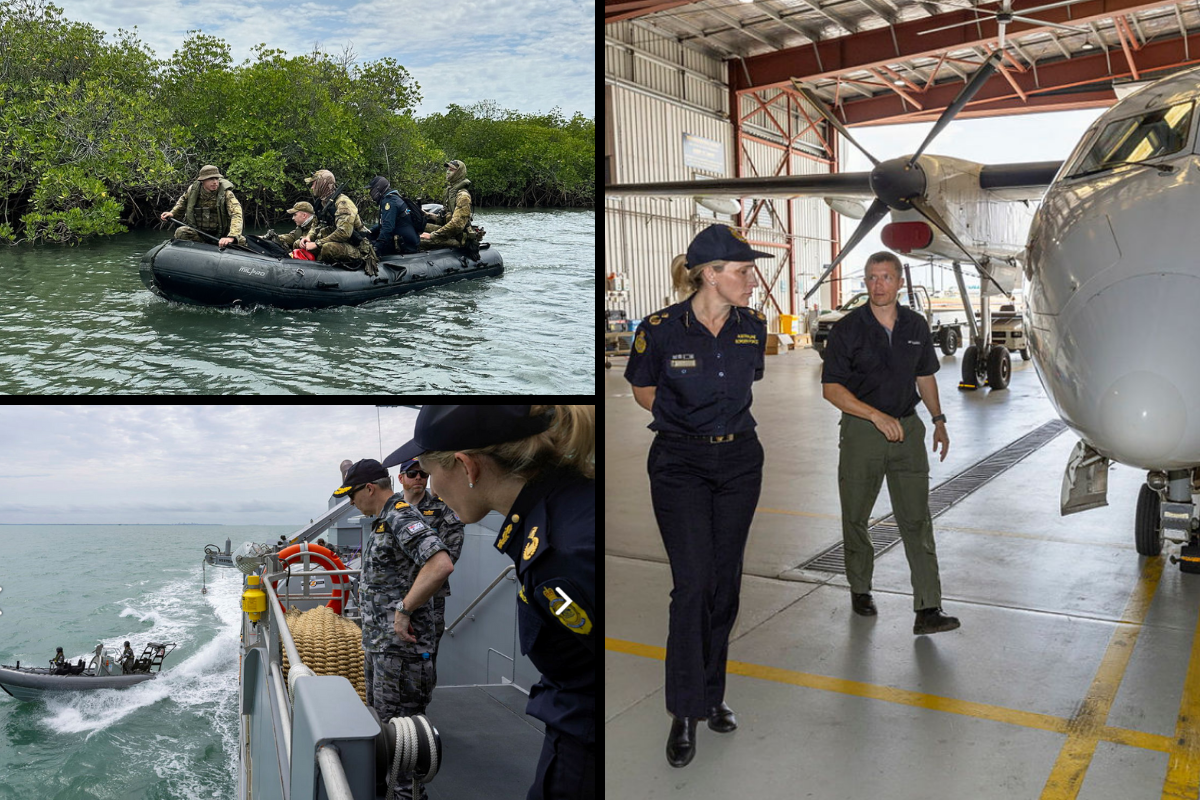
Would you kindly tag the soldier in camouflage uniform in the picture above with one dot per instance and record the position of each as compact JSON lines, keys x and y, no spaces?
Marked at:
{"x":302,"y":215}
{"x":209,"y":205}
{"x":456,"y":231}
{"x":449,"y":527}
{"x":334,"y":244}
{"x":404,"y":565}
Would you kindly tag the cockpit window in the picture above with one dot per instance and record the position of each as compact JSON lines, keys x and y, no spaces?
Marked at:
{"x":1136,"y":139}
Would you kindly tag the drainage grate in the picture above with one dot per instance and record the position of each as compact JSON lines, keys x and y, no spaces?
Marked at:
{"x":885,"y":533}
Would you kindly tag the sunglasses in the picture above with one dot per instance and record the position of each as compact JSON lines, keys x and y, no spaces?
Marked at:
{"x":416,"y":473}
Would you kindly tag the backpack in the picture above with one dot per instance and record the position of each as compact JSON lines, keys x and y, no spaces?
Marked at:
{"x":414,"y":212}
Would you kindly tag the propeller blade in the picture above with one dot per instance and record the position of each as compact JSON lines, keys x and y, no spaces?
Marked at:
{"x":1044,"y":24}
{"x":964,"y":97}
{"x":877,"y":211}
{"x":931,"y":214}
{"x":959,"y":24}
{"x":825,"y":112}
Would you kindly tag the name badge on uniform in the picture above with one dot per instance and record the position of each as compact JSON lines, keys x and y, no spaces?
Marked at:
{"x":683,"y":361}
{"x":746,"y":338}
{"x":912,"y":342}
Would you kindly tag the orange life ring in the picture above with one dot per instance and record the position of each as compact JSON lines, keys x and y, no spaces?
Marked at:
{"x":318,"y":553}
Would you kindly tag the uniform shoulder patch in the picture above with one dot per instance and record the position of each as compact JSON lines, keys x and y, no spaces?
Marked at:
{"x":564,"y":608}
{"x":387,"y":206}
{"x":379,"y":527}
{"x":654,"y":319}
{"x":639,"y":344}
{"x":401,"y":505}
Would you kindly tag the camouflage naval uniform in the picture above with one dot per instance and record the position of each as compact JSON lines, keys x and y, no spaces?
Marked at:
{"x":400,"y":676}
{"x":450,"y":530}
{"x":333,"y":241}
{"x":289,"y":239}
{"x":458,"y":197}
{"x":203,"y":211}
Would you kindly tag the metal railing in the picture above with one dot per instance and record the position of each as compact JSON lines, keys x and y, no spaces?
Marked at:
{"x":483,"y":594}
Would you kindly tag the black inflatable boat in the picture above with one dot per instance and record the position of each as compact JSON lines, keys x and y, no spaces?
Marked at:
{"x":200,"y":274}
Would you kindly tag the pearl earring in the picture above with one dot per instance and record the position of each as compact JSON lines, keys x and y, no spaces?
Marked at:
{"x":471,"y":485}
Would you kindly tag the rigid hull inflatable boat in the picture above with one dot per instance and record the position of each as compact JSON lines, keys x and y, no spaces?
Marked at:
{"x":104,"y":671}
{"x":201,"y":274}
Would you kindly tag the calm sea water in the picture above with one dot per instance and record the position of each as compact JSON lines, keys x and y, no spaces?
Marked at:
{"x":173,"y":737}
{"x":77,"y":320}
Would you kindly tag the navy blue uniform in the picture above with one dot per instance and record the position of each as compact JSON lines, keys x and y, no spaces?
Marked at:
{"x":550,"y":534}
{"x":705,"y":476}
{"x":395,"y":219}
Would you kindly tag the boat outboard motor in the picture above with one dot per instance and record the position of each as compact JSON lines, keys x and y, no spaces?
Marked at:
{"x":419,"y":751}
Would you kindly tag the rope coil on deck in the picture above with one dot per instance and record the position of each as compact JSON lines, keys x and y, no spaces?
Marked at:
{"x":328,"y":645}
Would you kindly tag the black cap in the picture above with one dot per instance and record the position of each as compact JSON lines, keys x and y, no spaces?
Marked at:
{"x":361,"y":472}
{"x":378,"y":187}
{"x":466,"y":427}
{"x":720,"y":243}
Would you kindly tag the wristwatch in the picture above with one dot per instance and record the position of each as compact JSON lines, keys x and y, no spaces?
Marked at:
{"x":403,"y":610}
{"x":939,"y":418}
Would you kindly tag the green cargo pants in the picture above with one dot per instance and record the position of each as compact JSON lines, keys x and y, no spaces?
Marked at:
{"x":866,"y":457}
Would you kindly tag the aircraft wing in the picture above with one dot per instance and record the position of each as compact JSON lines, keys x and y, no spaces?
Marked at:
{"x":839,"y":184}
{"x":1026,"y":181}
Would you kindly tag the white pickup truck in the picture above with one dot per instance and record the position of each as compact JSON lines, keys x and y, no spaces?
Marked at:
{"x":945,"y":324}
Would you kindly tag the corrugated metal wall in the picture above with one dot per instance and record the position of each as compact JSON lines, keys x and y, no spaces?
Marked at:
{"x":649,"y":106}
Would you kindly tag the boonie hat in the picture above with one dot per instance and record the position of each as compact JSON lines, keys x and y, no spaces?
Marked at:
{"x":301,"y":206}
{"x":209,"y":171}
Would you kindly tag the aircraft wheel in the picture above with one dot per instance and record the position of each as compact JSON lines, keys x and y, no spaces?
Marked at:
{"x":949,"y":341}
{"x":970,"y":360}
{"x":1148,"y":532}
{"x":999,"y":368}
{"x":1025,"y":354}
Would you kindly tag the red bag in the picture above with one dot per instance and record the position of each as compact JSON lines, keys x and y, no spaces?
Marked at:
{"x":304,"y":254}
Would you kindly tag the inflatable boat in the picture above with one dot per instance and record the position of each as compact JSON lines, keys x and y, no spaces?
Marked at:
{"x":102,"y":672}
{"x":201,"y":274}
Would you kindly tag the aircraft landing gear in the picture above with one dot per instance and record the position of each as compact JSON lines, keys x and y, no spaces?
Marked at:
{"x":1148,"y":530}
{"x":999,"y":367}
{"x":1170,"y":495}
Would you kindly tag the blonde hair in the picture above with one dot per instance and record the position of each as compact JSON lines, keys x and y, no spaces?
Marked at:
{"x":688,"y":281}
{"x":569,"y":442}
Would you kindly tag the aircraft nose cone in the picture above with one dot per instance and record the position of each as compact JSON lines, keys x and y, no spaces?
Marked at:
{"x":894,"y":182}
{"x":1143,"y":415}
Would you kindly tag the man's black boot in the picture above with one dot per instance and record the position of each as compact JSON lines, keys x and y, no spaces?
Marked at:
{"x":932,"y":620}
{"x":863,"y":605}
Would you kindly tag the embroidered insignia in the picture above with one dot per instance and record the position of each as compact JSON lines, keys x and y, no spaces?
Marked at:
{"x":379,"y":528}
{"x":567,"y":611}
{"x":401,"y":505}
{"x":736,"y":234}
{"x":639,"y":344}
{"x":521,"y":594}
{"x":654,"y":319}
{"x":503,"y":540}
{"x":531,"y":546}
{"x":387,"y":207}
{"x":746,"y":338}
{"x":761,"y":316}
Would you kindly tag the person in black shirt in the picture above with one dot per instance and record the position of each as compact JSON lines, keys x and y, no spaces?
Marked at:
{"x":536,"y":465}
{"x":878,"y":356}
{"x":692,"y":366}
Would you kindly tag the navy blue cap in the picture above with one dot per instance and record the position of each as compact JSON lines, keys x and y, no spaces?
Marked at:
{"x":362,"y":472}
{"x":457,"y":428}
{"x":721,"y":243}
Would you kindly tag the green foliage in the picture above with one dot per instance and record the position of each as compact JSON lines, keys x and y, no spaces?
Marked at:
{"x":96,"y":131}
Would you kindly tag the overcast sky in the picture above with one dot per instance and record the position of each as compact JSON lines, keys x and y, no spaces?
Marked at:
{"x":166,"y":464}
{"x":529,"y":55}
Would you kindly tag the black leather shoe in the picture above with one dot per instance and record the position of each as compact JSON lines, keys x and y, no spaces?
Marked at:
{"x":681,"y":745}
{"x":721,"y":719}
{"x":863,"y":605}
{"x":932,"y":620}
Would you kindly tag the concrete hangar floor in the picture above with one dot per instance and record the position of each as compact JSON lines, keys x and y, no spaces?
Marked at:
{"x":1076,"y":672}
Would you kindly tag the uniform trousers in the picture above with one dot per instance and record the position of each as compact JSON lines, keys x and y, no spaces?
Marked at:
{"x":399,"y":686}
{"x":867,"y":457}
{"x":566,"y":769}
{"x":704,"y":498}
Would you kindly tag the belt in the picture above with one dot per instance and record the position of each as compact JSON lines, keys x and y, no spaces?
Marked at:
{"x":684,"y":437}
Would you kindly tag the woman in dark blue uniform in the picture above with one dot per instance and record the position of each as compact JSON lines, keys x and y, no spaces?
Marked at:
{"x":692,"y":366}
{"x":536,"y":465}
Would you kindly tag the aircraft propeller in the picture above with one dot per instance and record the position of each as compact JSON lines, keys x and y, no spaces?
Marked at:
{"x":899,"y":183}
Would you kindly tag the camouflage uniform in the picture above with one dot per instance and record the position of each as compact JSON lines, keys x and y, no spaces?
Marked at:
{"x":289,"y":239}
{"x":450,"y":530}
{"x":204,"y":211}
{"x":400,"y":676}
{"x":334,"y":240}
{"x":458,"y":198}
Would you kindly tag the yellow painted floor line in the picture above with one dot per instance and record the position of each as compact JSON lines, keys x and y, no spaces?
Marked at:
{"x":1183,"y":768}
{"x":1025,"y":719}
{"x":1088,"y":725}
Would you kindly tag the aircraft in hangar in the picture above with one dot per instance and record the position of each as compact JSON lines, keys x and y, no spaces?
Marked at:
{"x":1112,"y":286}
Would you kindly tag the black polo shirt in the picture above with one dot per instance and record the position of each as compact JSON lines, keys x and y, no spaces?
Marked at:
{"x":703,"y":380}
{"x":880,"y":373}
